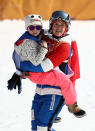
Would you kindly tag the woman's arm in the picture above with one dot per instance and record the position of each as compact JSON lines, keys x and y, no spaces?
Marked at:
{"x":56,"y":57}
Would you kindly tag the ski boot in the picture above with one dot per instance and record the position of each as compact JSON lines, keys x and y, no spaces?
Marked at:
{"x":76,"y":110}
{"x":57,"y":120}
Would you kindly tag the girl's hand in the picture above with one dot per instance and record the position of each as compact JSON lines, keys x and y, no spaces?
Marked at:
{"x":44,"y":44}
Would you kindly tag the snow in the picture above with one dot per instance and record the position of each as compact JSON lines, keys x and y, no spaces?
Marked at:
{"x":15,"y":110}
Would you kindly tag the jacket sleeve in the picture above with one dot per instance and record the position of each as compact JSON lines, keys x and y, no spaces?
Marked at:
{"x":31,"y":51}
{"x":60,"y":54}
{"x":56,"y":57}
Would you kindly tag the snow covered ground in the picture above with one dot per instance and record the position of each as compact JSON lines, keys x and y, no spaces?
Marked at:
{"x":15,"y":110}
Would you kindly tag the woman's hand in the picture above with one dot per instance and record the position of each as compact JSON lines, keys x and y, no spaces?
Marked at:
{"x":24,"y":75}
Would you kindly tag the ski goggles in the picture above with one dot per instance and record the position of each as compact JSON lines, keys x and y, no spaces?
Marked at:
{"x":38,"y":27}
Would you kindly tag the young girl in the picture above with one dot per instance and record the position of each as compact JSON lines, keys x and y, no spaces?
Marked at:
{"x":30,"y":41}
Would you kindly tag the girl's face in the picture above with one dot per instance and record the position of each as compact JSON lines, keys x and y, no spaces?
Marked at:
{"x":34,"y":30}
{"x":58,"y":28}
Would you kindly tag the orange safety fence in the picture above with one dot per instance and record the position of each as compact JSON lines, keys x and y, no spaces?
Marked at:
{"x":18,"y":9}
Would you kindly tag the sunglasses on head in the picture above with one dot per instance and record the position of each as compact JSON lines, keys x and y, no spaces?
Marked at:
{"x":38,"y":27}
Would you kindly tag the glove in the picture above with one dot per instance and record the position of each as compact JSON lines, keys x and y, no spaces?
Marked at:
{"x":15,"y":82}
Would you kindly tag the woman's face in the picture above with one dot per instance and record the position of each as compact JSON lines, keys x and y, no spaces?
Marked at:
{"x":34,"y":30}
{"x":58,"y":28}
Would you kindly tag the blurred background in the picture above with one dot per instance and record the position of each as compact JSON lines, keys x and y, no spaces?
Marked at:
{"x":18,"y":9}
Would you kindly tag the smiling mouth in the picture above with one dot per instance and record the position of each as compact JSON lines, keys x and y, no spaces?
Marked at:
{"x":58,"y":31}
{"x":35,"y":33}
